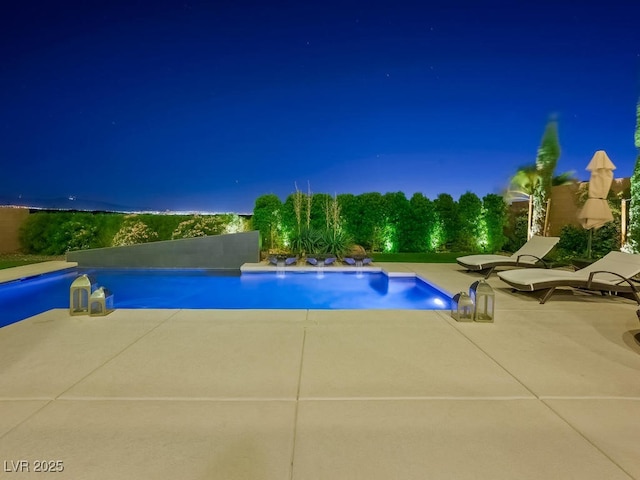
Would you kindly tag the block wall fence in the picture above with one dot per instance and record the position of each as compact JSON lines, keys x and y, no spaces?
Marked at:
{"x":11,"y":219}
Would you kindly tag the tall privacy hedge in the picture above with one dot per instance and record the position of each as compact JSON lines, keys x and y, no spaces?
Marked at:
{"x":390,"y":222}
{"x":494,"y":212}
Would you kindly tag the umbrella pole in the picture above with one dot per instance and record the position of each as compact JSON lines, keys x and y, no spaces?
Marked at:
{"x":530,"y":218}
{"x":589,"y":241}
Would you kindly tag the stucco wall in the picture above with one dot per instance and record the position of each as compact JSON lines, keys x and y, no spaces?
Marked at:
{"x":564,"y":207}
{"x":223,"y":252}
{"x":11,"y":219}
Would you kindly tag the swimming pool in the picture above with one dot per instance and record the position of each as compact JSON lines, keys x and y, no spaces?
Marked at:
{"x":198,"y":289}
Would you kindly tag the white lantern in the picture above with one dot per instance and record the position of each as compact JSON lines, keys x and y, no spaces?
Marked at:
{"x":484,"y":299}
{"x":79,"y":293}
{"x":462,"y":307}
{"x":100,"y":302}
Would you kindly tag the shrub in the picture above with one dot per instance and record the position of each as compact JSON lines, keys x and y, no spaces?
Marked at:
{"x":199,"y":226}
{"x":397,"y":213}
{"x":163,"y":225}
{"x":307,"y":242}
{"x":517,"y":237}
{"x":419,"y":223}
{"x":293,"y":217}
{"x":233,"y":223}
{"x":574,"y":239}
{"x":470,"y":215}
{"x":37,"y":232}
{"x":55,"y":233}
{"x":605,"y":240}
{"x":267,"y":220}
{"x":449,"y":221}
{"x":336,"y":242}
{"x":573,"y":242}
{"x":132,"y":232}
{"x":371,"y":222}
{"x":363,"y":217}
{"x":494,"y":215}
{"x":351,"y":218}
{"x":75,"y":235}
{"x":633,"y":236}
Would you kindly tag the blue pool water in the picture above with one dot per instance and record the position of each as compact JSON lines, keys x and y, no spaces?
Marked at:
{"x":193,"y":289}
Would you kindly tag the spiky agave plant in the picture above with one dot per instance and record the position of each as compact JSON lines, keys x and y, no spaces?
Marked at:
{"x":336,"y":242}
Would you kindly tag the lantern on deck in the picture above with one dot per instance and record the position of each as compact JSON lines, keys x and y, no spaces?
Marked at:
{"x":484,"y":299}
{"x":462,"y":307}
{"x":100,"y":302}
{"x":81,"y":289}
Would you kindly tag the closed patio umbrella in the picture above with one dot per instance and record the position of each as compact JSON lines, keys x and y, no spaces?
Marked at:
{"x":596,"y":212}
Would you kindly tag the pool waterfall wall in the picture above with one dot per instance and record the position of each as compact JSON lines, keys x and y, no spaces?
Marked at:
{"x":220,"y":252}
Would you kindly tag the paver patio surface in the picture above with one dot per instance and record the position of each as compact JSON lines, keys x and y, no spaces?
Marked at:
{"x":546,"y":391}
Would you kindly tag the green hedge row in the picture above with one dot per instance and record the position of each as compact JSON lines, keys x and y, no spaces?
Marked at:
{"x":55,"y":233}
{"x":389,"y":222}
{"x":381,"y":223}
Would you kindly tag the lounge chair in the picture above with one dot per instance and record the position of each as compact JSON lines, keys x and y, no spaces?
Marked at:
{"x":611,"y":274}
{"x":364,"y":261}
{"x":530,"y":254}
{"x":275,"y":259}
{"x":291,"y":260}
{"x":320,"y":260}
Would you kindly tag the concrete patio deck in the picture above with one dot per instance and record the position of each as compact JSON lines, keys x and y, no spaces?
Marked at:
{"x":546,"y":392}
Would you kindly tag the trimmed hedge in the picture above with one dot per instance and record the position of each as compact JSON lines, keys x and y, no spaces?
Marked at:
{"x":389,"y":222}
{"x":55,"y":233}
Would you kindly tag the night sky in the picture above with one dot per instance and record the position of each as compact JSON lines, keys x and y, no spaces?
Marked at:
{"x":193,"y":105}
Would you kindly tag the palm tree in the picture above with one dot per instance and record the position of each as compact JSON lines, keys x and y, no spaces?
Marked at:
{"x":565,"y":178}
{"x":526,"y":182}
{"x":546,"y":161}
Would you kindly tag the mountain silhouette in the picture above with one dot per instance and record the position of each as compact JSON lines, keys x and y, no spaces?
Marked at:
{"x":67,"y":203}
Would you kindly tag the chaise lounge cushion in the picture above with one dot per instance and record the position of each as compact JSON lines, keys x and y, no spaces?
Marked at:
{"x":613,"y":272}
{"x":530,"y":254}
